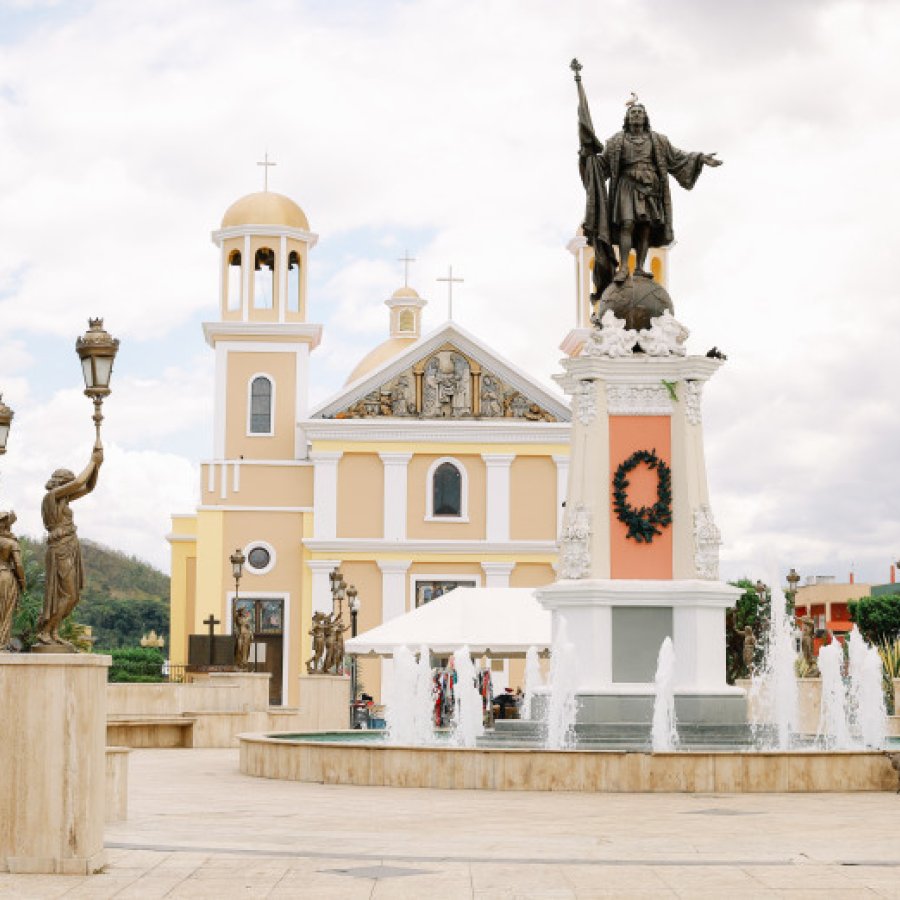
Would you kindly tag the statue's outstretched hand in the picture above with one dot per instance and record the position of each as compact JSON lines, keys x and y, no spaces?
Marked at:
{"x":709,"y":159}
{"x":97,"y":454}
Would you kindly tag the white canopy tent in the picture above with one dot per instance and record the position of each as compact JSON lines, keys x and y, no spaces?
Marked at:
{"x":492,"y":621}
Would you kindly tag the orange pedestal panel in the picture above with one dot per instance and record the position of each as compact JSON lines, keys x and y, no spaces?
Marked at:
{"x":628,"y":558}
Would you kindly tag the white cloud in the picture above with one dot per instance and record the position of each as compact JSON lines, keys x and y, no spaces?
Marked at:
{"x":125,"y":131}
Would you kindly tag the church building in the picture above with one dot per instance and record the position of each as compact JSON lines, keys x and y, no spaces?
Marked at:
{"x":438,"y":464}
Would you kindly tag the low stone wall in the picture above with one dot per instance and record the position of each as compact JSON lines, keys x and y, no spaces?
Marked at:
{"x":216,"y":692}
{"x":212,"y":712}
{"x":572,"y":770}
{"x":116,"y":798}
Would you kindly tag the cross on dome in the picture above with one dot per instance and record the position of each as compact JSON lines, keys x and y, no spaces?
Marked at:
{"x":266,"y":164}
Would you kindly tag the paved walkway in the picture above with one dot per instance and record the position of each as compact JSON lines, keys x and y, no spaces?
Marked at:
{"x":198,"y":828}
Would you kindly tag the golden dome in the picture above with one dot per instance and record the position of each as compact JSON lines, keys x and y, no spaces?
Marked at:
{"x":405,"y":293}
{"x":265,"y":208}
{"x":381,"y":354}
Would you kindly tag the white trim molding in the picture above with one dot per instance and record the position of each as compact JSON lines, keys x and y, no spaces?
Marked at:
{"x":344,"y":546}
{"x":463,"y":491}
{"x":437,"y":431}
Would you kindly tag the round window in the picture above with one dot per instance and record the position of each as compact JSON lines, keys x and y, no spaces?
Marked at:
{"x":259,"y":558}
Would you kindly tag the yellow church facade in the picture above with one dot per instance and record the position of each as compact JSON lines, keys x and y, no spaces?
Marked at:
{"x":438,"y":464}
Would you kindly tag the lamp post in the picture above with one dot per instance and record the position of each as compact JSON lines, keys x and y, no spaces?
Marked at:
{"x":237,"y":560}
{"x":793,"y":579}
{"x":353,"y":603}
{"x":97,"y":351}
{"x":6,"y":417}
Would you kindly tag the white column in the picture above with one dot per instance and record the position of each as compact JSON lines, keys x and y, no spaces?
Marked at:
{"x":325,"y":474}
{"x":497,"y":501}
{"x":393,"y":587}
{"x":395,"y":496}
{"x":496,"y":574}
{"x":246,"y":269}
{"x":282,"y":277}
{"x":301,"y":384}
{"x":220,"y":405}
{"x":562,"y":486}
{"x":321,"y":583}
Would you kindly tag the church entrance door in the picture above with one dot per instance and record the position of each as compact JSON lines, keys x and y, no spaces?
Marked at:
{"x":267,"y":650}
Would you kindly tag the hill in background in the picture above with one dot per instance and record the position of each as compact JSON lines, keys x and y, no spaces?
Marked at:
{"x":123,"y":597}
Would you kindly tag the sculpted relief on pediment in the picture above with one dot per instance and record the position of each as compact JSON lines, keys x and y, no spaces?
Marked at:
{"x":448,"y":384}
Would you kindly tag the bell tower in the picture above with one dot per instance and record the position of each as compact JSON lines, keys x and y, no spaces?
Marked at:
{"x":262,"y":338}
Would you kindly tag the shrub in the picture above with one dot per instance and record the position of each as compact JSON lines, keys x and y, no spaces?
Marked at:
{"x":136,"y":664}
{"x":878,"y":618}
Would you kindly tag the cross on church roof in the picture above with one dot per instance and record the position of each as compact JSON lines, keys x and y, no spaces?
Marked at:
{"x":265,"y":164}
{"x":450,"y":282}
{"x":406,"y":260}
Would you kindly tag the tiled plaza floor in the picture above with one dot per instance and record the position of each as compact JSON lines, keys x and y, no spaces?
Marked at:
{"x":198,"y":828}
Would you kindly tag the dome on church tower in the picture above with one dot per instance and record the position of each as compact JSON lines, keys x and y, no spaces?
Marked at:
{"x":265,"y":208}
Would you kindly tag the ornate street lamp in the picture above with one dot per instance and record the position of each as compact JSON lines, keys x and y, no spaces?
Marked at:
{"x":237,"y":560}
{"x":97,"y":351}
{"x":6,"y":417}
{"x":793,"y":579}
{"x":353,"y":603}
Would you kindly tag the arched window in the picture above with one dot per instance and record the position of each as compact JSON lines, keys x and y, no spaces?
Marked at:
{"x":234,"y":280}
{"x":261,"y":393}
{"x":263,"y":278}
{"x":293,"y":285}
{"x":406,"y":321}
{"x":446,"y":488}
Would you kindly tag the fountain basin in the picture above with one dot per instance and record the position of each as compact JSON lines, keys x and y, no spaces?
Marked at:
{"x":361,"y":758}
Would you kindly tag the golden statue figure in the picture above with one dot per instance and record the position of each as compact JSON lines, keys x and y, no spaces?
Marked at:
{"x":12,"y":576}
{"x":243,"y":638}
{"x":64,"y":570}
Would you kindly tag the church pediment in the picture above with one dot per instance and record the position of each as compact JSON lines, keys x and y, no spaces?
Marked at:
{"x":447,"y":378}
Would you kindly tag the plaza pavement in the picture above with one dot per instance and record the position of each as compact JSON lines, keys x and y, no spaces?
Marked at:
{"x":198,"y":828}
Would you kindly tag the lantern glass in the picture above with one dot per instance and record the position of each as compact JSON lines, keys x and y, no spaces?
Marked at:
{"x":102,"y":370}
{"x":4,"y":434}
{"x":354,"y":602}
{"x":237,"y":564}
{"x":87,"y":368}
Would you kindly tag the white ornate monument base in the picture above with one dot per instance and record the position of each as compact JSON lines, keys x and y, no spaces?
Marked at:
{"x":52,"y":763}
{"x":616,"y":628}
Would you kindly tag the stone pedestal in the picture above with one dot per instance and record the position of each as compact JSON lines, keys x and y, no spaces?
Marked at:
{"x":324,"y":702}
{"x":53,"y":763}
{"x":638,"y":417}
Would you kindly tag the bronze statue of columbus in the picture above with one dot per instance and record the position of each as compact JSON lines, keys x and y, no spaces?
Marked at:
{"x":637,"y":211}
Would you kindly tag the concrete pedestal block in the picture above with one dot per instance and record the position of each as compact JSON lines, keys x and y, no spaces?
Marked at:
{"x":324,"y":702}
{"x":53,"y":763}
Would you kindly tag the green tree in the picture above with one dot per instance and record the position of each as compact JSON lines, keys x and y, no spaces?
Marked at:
{"x":878,"y":618}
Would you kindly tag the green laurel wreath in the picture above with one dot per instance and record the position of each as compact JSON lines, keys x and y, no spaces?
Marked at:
{"x":647,"y":522}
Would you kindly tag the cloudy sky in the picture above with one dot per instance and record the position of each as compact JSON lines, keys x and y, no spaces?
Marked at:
{"x":448,"y":127}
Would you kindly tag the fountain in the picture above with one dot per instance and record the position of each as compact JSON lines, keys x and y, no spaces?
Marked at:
{"x":664,"y":734}
{"x":468,"y":715}
{"x":534,"y":680}
{"x":774,"y":688}
{"x":560,"y":707}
